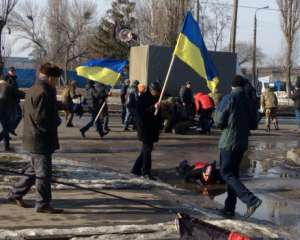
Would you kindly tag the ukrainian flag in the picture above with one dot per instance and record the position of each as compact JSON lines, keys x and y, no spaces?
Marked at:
{"x":106,"y":71}
{"x":191,"y":49}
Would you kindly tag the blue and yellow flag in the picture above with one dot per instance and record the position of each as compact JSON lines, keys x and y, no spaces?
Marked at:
{"x":191,"y":49}
{"x":106,"y":71}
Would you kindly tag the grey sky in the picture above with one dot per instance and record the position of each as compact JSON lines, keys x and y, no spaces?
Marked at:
{"x":269,"y":36}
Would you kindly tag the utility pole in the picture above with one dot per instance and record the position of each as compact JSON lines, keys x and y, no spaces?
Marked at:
{"x":234,"y":26}
{"x":254,"y":71}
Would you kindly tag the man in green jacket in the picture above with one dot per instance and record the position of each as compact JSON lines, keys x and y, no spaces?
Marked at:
{"x":40,"y":139}
{"x":233,"y":115}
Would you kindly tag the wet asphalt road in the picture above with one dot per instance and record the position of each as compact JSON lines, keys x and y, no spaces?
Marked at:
{"x":264,"y":169}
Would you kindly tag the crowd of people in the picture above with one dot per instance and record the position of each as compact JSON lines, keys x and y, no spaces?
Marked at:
{"x":236,"y":114}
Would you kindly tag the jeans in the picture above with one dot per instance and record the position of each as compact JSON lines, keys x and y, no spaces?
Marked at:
{"x":129,"y":118}
{"x":143,"y":163}
{"x":297,"y":112}
{"x":16,"y":118}
{"x":98,"y":123}
{"x":229,"y":169}
{"x":123,"y":112}
{"x":39,"y":172}
{"x":4,"y":135}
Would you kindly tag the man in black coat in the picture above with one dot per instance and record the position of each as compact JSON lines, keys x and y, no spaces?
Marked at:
{"x":187,"y":99}
{"x":40,"y":139}
{"x":6,"y":106}
{"x":296,"y":98}
{"x":16,"y":116}
{"x":148,"y":128}
{"x":94,"y":105}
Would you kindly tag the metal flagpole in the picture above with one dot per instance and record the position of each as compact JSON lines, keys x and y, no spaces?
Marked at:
{"x":165,"y":83}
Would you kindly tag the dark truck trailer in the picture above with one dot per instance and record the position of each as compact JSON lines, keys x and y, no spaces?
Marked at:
{"x":151,"y":63}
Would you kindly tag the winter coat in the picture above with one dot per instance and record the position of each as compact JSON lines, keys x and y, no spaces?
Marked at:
{"x":6,"y":99}
{"x":216,"y":96}
{"x":186,"y":95}
{"x":132,"y":98}
{"x":123,"y":92}
{"x":148,"y":125}
{"x":90,"y":97}
{"x":236,"y":118}
{"x":203,"y":102}
{"x":17,"y":94}
{"x":101,"y":94}
{"x":268,"y":100}
{"x":68,"y":95}
{"x":41,"y":119}
{"x":296,"y":98}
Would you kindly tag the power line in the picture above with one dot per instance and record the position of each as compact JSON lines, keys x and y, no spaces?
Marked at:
{"x":241,"y":6}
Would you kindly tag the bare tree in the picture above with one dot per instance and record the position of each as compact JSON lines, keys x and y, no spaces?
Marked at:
{"x":57,"y":32}
{"x":6,"y":8}
{"x":159,"y":21}
{"x":290,"y":24}
{"x":219,"y":22}
{"x":29,"y":22}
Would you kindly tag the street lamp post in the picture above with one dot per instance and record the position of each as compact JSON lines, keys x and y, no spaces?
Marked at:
{"x":254,"y":47}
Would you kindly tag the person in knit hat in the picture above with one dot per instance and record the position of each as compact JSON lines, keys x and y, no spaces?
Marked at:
{"x":40,"y":139}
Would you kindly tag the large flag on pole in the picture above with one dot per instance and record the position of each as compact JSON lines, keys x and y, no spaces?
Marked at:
{"x":191,"y":49}
{"x":106,"y":71}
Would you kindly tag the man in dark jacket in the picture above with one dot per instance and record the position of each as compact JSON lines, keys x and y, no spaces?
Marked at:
{"x":187,"y":99}
{"x":235,"y":117}
{"x":131,"y":105}
{"x":103,"y":92}
{"x":92,"y":101}
{"x":148,"y":127}
{"x":16,"y":116}
{"x":40,"y":139}
{"x":123,"y":97}
{"x":296,"y":98}
{"x":6,"y":106}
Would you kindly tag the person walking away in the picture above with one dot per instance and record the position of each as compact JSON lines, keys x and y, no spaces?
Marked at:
{"x":187,"y":100}
{"x":269,"y":104}
{"x":92,"y":103}
{"x":68,"y":95}
{"x":123,"y":95}
{"x":40,"y":139}
{"x":148,"y":127}
{"x":16,"y":116}
{"x":103,"y":92}
{"x":133,"y":94}
{"x":296,"y":98}
{"x":216,"y":96}
{"x":204,"y":106}
{"x":6,"y":106}
{"x":235,"y":117}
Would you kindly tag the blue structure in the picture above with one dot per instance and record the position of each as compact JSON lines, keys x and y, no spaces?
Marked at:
{"x":27,"y":77}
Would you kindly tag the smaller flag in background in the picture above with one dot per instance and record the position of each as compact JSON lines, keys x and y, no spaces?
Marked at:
{"x":191,"y":49}
{"x":106,"y":71}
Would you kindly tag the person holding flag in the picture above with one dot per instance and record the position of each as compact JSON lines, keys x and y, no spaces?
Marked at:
{"x":103,"y":72}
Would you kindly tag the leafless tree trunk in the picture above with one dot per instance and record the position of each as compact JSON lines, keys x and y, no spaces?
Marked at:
{"x":219,"y":23}
{"x":56,"y":33}
{"x":290,"y":24}
{"x":6,"y":8}
{"x":159,"y":21}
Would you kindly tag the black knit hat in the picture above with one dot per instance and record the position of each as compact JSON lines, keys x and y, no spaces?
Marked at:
{"x":155,"y":86}
{"x":238,"y":81}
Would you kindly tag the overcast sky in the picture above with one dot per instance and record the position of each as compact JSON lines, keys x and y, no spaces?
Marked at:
{"x":269,"y":36}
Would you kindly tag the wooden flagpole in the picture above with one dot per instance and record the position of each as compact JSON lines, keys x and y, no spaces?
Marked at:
{"x":165,"y":83}
{"x":100,"y":111}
